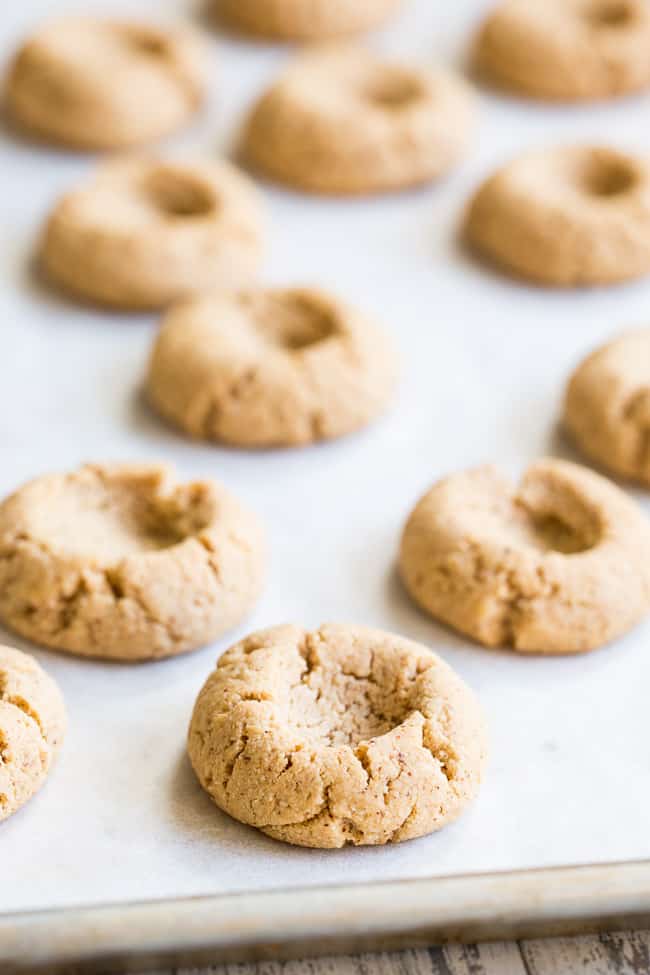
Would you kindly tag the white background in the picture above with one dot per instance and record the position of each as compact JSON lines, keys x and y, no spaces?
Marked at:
{"x":485,"y":360}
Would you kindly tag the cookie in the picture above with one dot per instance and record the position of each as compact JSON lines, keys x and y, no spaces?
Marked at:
{"x":124,"y":562}
{"x":32,"y":728}
{"x":304,"y":20}
{"x":565,"y":217}
{"x":341,"y":120}
{"x":558,"y":564}
{"x":264,"y":368}
{"x":98,"y":84}
{"x":144,"y":233}
{"x":345,"y":735}
{"x":607,"y":405}
{"x":566,"y":50}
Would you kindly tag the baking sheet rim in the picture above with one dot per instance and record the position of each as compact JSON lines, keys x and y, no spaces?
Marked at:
{"x":299,"y":922}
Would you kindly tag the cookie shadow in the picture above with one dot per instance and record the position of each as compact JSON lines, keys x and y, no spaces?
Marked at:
{"x":143,"y":419}
{"x":413,"y":622}
{"x":193,"y":813}
{"x":209,"y":16}
{"x":12,"y":131}
{"x":561,"y":445}
{"x":477,"y":261}
{"x":44,"y":654}
{"x":35,"y":282}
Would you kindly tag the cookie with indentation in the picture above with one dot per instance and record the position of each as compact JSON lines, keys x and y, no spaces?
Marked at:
{"x":270,"y":367}
{"x":126,"y":562}
{"x":344,"y":735}
{"x":32,"y":728}
{"x":566,"y":50}
{"x":607,"y":405}
{"x":304,"y":20}
{"x":566,"y":217}
{"x":558,"y":564}
{"x":342,"y":120}
{"x":101,"y":84}
{"x":144,"y":233}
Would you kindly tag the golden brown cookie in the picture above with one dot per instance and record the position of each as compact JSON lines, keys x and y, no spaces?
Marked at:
{"x":32,"y":728}
{"x":304,"y":20}
{"x":607,"y":405}
{"x":341,"y":120}
{"x":100,"y":84}
{"x":124,"y":562}
{"x":566,"y":217}
{"x":566,"y":50}
{"x":558,"y":564}
{"x":345,"y":735}
{"x":144,"y":233}
{"x":263,"y":368}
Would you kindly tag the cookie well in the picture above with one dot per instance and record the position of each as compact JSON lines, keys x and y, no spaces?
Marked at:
{"x":344,"y":735}
{"x":553,"y":566}
{"x":117,"y":514}
{"x":573,"y":216}
{"x":124,"y":562}
{"x":342,"y":120}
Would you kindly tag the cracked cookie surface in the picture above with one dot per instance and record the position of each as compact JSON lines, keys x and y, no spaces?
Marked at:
{"x":124,"y":562}
{"x":567,"y":217}
{"x":100,"y":84}
{"x":270,"y":368}
{"x":344,"y":735}
{"x":32,"y":728}
{"x":607,"y":405}
{"x":341,"y":120}
{"x":566,"y":50}
{"x":557,"y":565}
{"x":304,"y":20}
{"x":143,"y":233}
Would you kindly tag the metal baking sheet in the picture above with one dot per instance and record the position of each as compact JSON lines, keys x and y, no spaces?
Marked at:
{"x":122,"y":818}
{"x":301,"y":923}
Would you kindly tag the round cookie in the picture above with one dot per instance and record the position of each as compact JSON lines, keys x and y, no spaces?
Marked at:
{"x":124,"y":562}
{"x":267,"y":368}
{"x":607,"y":405}
{"x":32,"y":728}
{"x":566,"y":217}
{"x":344,"y":735}
{"x":557,"y":565}
{"x":340,"y":120}
{"x":144,"y":233}
{"x":566,"y":50}
{"x":304,"y":20}
{"x":100,"y":84}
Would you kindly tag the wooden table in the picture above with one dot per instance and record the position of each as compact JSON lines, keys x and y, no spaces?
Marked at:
{"x":606,"y":954}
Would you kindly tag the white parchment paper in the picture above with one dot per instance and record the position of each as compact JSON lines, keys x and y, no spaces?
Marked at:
{"x":485,"y":360}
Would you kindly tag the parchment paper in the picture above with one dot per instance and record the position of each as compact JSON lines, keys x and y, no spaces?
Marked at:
{"x":485,"y":359}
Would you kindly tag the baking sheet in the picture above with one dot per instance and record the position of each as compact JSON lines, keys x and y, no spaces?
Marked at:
{"x":122,"y":817}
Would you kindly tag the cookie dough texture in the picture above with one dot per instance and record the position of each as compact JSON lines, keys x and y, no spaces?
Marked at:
{"x":32,"y":728}
{"x":344,"y":735}
{"x":263,"y":368}
{"x":341,"y":120}
{"x":98,"y":84}
{"x":566,"y":50}
{"x":304,"y":20}
{"x":144,"y":233}
{"x":607,"y":405}
{"x":558,"y":564}
{"x":124,"y":562}
{"x":566,"y":217}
